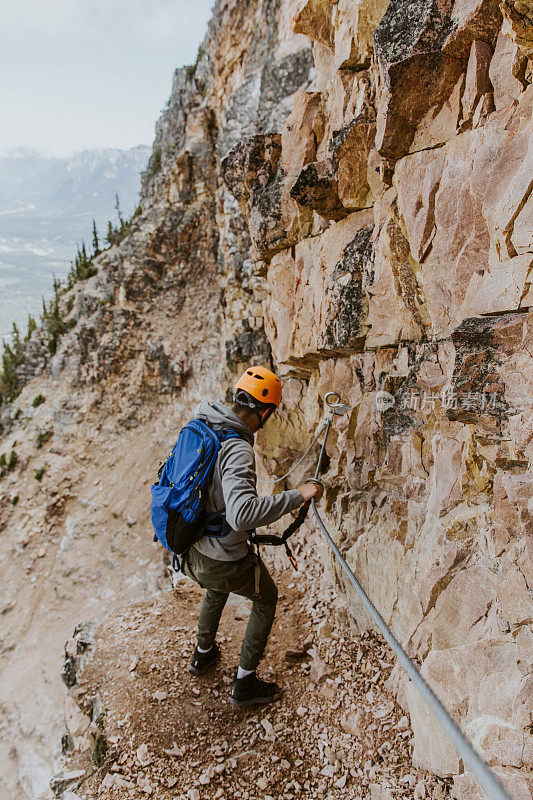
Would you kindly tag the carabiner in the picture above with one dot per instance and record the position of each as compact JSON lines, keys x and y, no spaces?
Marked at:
{"x":335,"y":406}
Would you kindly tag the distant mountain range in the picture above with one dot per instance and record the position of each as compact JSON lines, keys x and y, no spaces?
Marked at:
{"x":47,"y":205}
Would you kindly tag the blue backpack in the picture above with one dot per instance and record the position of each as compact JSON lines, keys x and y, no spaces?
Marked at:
{"x":178,"y":514}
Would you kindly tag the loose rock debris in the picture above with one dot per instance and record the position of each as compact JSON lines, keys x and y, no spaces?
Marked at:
{"x":336,"y":733}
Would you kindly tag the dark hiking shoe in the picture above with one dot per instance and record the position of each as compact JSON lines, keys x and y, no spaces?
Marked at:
{"x":202,"y":661}
{"x":251,"y":690}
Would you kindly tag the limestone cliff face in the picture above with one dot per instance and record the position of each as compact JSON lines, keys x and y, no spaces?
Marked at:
{"x":391,"y":212}
{"x":342,"y":189}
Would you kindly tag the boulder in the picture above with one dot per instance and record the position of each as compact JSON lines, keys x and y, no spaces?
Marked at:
{"x":379,"y":792}
{"x":62,"y":781}
{"x":76,"y":721}
{"x":302,"y":132}
{"x":350,"y":147}
{"x":349,"y":97}
{"x":337,"y":182}
{"x":415,"y":72}
{"x":252,"y":174}
{"x":260,"y":179}
{"x":353,"y":725}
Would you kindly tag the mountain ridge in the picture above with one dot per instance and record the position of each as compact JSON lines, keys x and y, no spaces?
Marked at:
{"x":357,"y":234}
{"x":47,"y":205}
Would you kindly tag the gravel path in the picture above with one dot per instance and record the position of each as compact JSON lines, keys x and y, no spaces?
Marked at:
{"x":162,"y":733}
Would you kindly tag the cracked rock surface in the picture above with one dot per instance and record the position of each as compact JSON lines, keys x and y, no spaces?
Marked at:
{"x":342,"y":191}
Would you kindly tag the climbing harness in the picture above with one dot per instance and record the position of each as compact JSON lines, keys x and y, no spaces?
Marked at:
{"x":485,"y":776}
{"x":265,"y":538}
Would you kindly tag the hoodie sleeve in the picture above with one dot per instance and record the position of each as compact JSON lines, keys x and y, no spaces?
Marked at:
{"x":244,"y":509}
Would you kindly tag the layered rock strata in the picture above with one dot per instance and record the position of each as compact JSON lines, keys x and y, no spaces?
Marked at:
{"x":343,"y":190}
{"x":410,"y":291}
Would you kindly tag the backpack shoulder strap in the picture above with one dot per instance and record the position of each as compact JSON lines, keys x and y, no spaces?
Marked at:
{"x":223,"y":435}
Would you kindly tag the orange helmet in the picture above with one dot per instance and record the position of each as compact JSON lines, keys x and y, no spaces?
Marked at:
{"x":261,"y":384}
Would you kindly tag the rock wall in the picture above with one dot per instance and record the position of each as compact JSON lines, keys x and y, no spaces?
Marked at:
{"x":392,"y":215}
{"x":342,"y":190}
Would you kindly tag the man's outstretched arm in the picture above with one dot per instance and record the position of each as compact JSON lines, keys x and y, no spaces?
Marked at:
{"x":244,"y":509}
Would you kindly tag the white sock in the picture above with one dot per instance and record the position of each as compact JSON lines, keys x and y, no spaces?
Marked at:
{"x":201,"y":650}
{"x":242,"y":673}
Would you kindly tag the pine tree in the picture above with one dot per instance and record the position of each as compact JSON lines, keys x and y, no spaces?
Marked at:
{"x":84,"y":259}
{"x":32,"y":326}
{"x":56,"y":285}
{"x":96,"y":243}
{"x":54,"y":322}
{"x":8,"y":376}
{"x":18,"y":347}
{"x":117,"y":209}
{"x":12,"y":358}
{"x":71,"y":275}
{"x":110,"y":237}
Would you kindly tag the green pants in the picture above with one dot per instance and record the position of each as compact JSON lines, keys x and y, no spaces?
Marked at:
{"x":221,"y":578}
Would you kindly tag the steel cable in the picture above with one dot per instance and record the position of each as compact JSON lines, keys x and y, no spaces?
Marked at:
{"x":483,"y":773}
{"x":277,"y":480}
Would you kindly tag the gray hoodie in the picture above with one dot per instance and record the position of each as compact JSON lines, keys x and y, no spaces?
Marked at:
{"x":233,"y":486}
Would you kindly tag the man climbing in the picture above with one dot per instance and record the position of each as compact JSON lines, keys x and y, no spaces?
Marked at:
{"x":222,"y":565}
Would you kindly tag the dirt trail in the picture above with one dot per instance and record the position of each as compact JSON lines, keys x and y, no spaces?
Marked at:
{"x":336,"y":733}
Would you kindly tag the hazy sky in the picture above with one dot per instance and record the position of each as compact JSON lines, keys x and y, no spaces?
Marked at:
{"x":85,"y":73}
